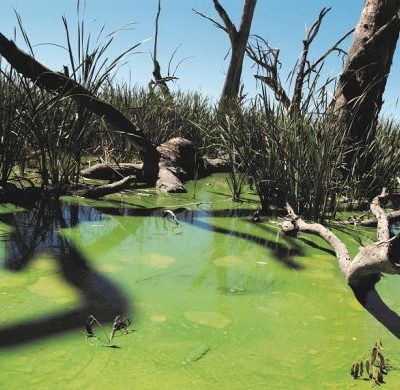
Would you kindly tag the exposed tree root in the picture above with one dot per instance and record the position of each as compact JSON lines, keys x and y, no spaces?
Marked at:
{"x":382,"y":256}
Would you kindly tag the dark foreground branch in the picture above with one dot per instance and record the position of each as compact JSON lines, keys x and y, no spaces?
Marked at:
{"x":58,"y":83}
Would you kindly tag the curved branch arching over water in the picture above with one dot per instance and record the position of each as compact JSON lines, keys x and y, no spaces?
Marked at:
{"x":372,"y":260}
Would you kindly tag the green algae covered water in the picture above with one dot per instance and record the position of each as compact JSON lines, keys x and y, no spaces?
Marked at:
{"x":215,"y":302}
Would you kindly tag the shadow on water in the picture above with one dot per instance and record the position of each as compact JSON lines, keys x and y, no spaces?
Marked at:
{"x":36,"y":231}
{"x":316,"y":246}
{"x":370,"y":299}
{"x":280,"y":252}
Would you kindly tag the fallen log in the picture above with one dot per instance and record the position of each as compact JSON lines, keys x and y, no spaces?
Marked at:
{"x":178,"y":162}
{"x":214,"y":165}
{"x":168,"y":181}
{"x":113,"y":172}
{"x":382,"y":256}
{"x":111,"y":188}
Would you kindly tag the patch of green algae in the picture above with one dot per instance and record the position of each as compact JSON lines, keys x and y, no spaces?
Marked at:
{"x":296,"y":327}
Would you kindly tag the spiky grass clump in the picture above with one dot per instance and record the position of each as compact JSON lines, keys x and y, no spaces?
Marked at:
{"x":13,"y":104}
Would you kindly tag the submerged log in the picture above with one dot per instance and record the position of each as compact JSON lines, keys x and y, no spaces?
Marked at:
{"x":382,"y":256}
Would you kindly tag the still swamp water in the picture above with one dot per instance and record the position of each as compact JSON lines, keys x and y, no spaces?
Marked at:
{"x":216,"y":301}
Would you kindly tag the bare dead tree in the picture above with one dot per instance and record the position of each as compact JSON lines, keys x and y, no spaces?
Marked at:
{"x":267,"y":59}
{"x":358,"y":96}
{"x":238,"y":38}
{"x":382,"y":256}
{"x":159,"y":81}
{"x":305,"y":72}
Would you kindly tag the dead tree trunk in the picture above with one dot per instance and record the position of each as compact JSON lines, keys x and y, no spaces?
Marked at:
{"x":358,"y":95}
{"x":239,"y":39}
{"x":372,"y":260}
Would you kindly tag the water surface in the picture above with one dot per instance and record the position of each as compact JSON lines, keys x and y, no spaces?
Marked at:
{"x":216,"y":301}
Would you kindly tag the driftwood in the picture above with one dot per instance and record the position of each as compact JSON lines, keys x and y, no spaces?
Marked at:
{"x":370,"y":222}
{"x":111,"y":188}
{"x":372,"y":260}
{"x":112,"y":172}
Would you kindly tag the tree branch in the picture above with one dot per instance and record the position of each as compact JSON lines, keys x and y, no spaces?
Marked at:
{"x":310,"y":36}
{"x":158,"y":79}
{"x":230,"y":27}
{"x":296,"y":223}
{"x":395,"y":215}
{"x":268,"y":59}
{"x":280,"y":93}
{"x":380,"y":215}
{"x":379,"y":257}
{"x":335,"y":47}
{"x":59,"y":83}
{"x":247,"y":15}
{"x":213,"y":21}
{"x":107,"y":189}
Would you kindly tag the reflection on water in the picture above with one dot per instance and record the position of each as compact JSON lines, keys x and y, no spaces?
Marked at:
{"x":37,"y":231}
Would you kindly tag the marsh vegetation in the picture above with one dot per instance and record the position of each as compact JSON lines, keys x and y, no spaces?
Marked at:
{"x":312,"y":149}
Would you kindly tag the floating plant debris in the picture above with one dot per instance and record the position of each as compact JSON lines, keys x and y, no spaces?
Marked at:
{"x":232,"y":290}
{"x":371,"y":368}
{"x":196,"y":354}
{"x":120,"y":324}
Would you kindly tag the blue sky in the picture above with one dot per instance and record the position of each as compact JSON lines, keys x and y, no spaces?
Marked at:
{"x":282,"y":22}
